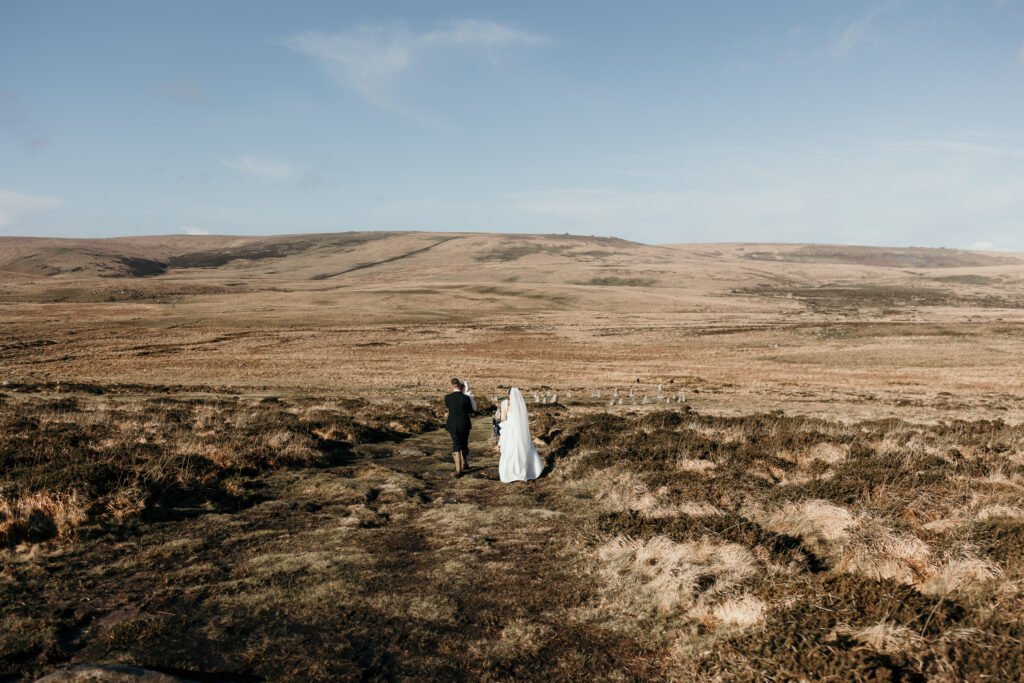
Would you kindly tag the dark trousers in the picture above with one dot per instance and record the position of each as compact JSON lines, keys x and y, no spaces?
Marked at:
{"x":460,"y":439}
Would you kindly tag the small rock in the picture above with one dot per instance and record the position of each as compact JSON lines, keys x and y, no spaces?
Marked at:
{"x":109,"y":673}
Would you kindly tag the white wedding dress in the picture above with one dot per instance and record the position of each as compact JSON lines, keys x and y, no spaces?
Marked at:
{"x":519,"y":459}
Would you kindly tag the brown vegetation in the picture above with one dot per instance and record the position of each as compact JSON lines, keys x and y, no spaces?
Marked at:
{"x":68,"y":462}
{"x":665,"y":544}
{"x":220,"y":459}
{"x":841,"y":565}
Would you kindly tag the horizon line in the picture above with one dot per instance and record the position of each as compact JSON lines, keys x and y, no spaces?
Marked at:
{"x":396,"y":231}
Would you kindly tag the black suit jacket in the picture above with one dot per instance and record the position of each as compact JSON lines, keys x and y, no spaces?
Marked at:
{"x":459,"y":410}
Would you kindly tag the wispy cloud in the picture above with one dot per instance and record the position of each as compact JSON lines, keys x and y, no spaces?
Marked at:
{"x":186,"y":92}
{"x":193,"y":230}
{"x":854,"y":34}
{"x":1020,"y":54}
{"x":370,"y":59}
{"x":261,"y":168}
{"x":475,"y":32}
{"x":15,"y":206}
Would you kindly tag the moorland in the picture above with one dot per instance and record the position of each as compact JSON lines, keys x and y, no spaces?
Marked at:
{"x":221,"y":459}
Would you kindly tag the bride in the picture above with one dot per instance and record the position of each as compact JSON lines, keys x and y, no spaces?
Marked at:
{"x":519,"y":459}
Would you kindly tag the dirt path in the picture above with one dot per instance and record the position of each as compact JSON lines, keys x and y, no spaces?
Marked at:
{"x":497,"y":567}
{"x":383,"y":568}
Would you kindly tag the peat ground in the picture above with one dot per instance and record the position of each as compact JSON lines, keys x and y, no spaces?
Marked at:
{"x":292,"y":538}
{"x":379,"y":567}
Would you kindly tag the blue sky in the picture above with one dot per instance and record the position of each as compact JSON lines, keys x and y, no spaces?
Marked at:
{"x":890,"y":123}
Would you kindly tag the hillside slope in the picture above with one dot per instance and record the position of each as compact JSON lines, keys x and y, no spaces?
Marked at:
{"x":568,"y":270}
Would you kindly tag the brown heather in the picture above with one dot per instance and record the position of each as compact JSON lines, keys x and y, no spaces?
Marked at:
{"x":220,"y":458}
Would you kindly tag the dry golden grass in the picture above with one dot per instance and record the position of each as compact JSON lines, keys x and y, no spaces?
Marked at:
{"x":743,"y":612}
{"x":884,"y":637}
{"x":618,"y":489}
{"x":963,"y":575}
{"x":40,"y":515}
{"x":818,"y":522}
{"x":999,"y":511}
{"x":125,"y":503}
{"x":658,"y":575}
{"x":878,"y":552}
{"x":715,"y":324}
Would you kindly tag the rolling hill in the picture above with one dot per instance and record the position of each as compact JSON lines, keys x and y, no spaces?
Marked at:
{"x":560,"y":265}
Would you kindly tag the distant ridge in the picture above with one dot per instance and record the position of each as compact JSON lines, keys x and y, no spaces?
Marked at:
{"x":323,"y":256}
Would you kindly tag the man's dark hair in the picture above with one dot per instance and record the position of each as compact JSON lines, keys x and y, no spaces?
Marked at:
{"x":456,"y":383}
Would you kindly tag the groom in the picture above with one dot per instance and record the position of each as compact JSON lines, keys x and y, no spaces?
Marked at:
{"x":458,"y":425}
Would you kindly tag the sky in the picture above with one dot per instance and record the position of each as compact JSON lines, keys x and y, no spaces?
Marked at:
{"x":894,"y":123}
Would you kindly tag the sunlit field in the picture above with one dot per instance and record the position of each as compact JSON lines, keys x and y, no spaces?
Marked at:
{"x":223,"y":459}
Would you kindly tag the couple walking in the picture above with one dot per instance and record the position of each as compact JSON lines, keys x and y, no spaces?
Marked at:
{"x":519,"y":459}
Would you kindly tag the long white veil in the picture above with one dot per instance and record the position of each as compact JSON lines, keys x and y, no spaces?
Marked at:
{"x":519,"y":418}
{"x":519,"y":457}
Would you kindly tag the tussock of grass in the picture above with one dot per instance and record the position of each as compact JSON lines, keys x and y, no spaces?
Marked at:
{"x":126,"y":502}
{"x":878,"y":552}
{"x":39,"y":516}
{"x":816,"y":521}
{"x":742,"y":612}
{"x":658,"y":575}
{"x":695,"y":466}
{"x":618,"y":489}
{"x":964,"y":575}
{"x":999,"y":511}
